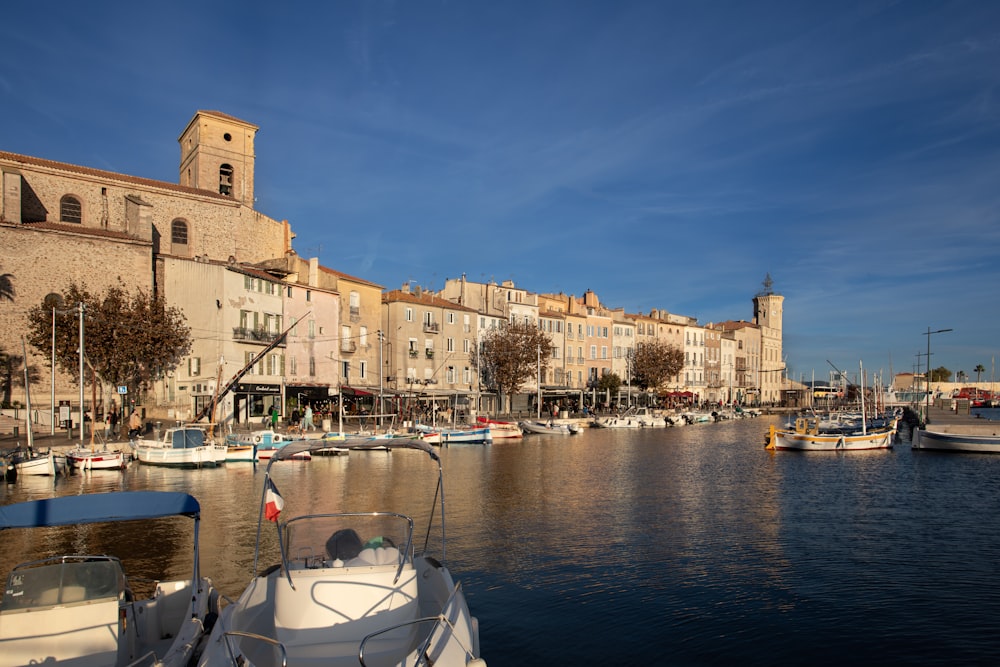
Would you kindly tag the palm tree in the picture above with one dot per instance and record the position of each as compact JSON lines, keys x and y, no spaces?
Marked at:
{"x":978,"y":370}
{"x":6,"y":286}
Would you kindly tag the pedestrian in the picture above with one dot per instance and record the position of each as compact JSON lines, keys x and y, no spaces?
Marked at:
{"x":274,"y":416}
{"x":134,"y":424}
{"x":107,"y":426}
{"x":113,"y":416}
{"x":307,"y":419}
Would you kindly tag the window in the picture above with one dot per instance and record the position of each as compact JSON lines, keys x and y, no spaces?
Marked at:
{"x":312,"y":366}
{"x":178,"y":232}
{"x":70,"y":210}
{"x":450,"y":375}
{"x":226,"y":179}
{"x":293,"y":366}
{"x":194,"y":366}
{"x":450,"y":318}
{"x":362,"y":370}
{"x":363,"y":338}
{"x":309,"y":295}
{"x":408,"y":314}
{"x":450,"y":345}
{"x":345,"y":371}
{"x":593,"y":351}
{"x":466,"y":345}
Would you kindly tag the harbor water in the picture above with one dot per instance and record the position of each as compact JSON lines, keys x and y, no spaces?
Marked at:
{"x":672,"y":546}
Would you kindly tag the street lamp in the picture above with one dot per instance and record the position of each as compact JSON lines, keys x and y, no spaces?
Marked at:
{"x":927,"y":409}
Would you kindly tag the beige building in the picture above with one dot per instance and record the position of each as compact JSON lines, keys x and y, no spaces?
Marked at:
{"x":63,"y":223}
{"x":430,"y":343}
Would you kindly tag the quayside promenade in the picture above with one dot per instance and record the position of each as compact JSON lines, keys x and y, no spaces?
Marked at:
{"x":13,"y":434}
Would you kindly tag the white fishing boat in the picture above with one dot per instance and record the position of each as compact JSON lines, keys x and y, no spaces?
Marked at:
{"x":350,"y":588}
{"x":982,"y":438}
{"x":81,"y":610}
{"x":30,"y":462}
{"x":549,"y":427}
{"x":267,"y":442}
{"x":242,"y":453}
{"x":179,"y":447}
{"x":501,"y":430}
{"x":811,"y":439}
{"x":90,"y":458}
{"x":454,"y":436}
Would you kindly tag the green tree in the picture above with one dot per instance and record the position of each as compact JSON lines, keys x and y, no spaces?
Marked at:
{"x":654,"y":363}
{"x":509,"y":355}
{"x":609,"y":382}
{"x":979,"y":370}
{"x":129,"y":338}
{"x":940,"y":374}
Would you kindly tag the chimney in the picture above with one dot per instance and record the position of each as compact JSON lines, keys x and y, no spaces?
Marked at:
{"x":313,"y":271}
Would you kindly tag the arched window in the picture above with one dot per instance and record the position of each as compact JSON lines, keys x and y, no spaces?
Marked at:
{"x":178,"y":232}
{"x":226,"y":179}
{"x":70,"y":210}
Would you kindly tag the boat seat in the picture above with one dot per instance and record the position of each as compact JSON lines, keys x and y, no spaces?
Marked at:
{"x":69,"y":594}
{"x":344,"y":604}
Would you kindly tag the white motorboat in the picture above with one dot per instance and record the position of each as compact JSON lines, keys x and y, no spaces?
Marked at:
{"x":549,"y":427}
{"x":179,"y":447}
{"x":351,"y":588}
{"x":89,"y":458}
{"x":81,"y":610}
{"x":983,"y":438}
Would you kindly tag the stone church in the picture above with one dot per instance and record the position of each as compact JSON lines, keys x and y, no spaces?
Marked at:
{"x":62,"y":223}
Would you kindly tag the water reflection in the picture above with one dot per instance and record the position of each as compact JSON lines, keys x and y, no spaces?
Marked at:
{"x":691,"y":545}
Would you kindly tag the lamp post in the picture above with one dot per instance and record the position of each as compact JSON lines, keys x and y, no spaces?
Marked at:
{"x":927,"y":409}
{"x":81,"y":375}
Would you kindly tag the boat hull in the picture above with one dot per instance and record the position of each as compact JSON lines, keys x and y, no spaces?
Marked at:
{"x":832,"y":442}
{"x":983,"y":439}
{"x":85,"y":459}
{"x":49,"y":465}
{"x":476,"y":436}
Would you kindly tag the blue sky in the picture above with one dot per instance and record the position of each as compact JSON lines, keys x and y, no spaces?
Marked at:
{"x":663,"y":154}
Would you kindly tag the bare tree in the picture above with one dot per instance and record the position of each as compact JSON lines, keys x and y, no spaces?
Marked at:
{"x":654,"y":363}
{"x":509,"y":355}
{"x":129,"y":338}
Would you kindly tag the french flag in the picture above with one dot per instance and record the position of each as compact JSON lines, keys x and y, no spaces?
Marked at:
{"x":273,"y":502}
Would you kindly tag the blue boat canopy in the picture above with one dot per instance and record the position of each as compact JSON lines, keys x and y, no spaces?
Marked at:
{"x":98,"y":508}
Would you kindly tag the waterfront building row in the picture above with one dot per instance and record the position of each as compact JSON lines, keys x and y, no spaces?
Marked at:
{"x":237,"y":278}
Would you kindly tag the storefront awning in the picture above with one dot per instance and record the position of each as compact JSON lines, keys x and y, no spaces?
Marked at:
{"x":352,"y":391}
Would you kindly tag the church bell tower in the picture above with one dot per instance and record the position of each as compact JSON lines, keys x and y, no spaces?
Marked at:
{"x":217,"y":154}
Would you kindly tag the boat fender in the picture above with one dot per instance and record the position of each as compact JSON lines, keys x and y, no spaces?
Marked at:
{"x":256,"y":438}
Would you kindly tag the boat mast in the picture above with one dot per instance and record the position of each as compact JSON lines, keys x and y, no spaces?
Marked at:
{"x":864,"y":417}
{"x":27,"y":396}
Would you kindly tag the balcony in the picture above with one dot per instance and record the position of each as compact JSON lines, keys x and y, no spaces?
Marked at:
{"x":413,"y":354}
{"x":431,"y":327}
{"x":249,"y":335}
{"x":429,"y":353}
{"x":348,"y":346}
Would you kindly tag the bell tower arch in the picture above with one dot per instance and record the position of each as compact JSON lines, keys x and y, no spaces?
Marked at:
{"x":217,"y":154}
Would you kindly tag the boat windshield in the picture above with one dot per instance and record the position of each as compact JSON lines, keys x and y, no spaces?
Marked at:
{"x":188,"y":438}
{"x":339,"y":540}
{"x":63,"y":580}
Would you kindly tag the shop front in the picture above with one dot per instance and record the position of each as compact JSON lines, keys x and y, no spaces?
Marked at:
{"x":253,"y":400}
